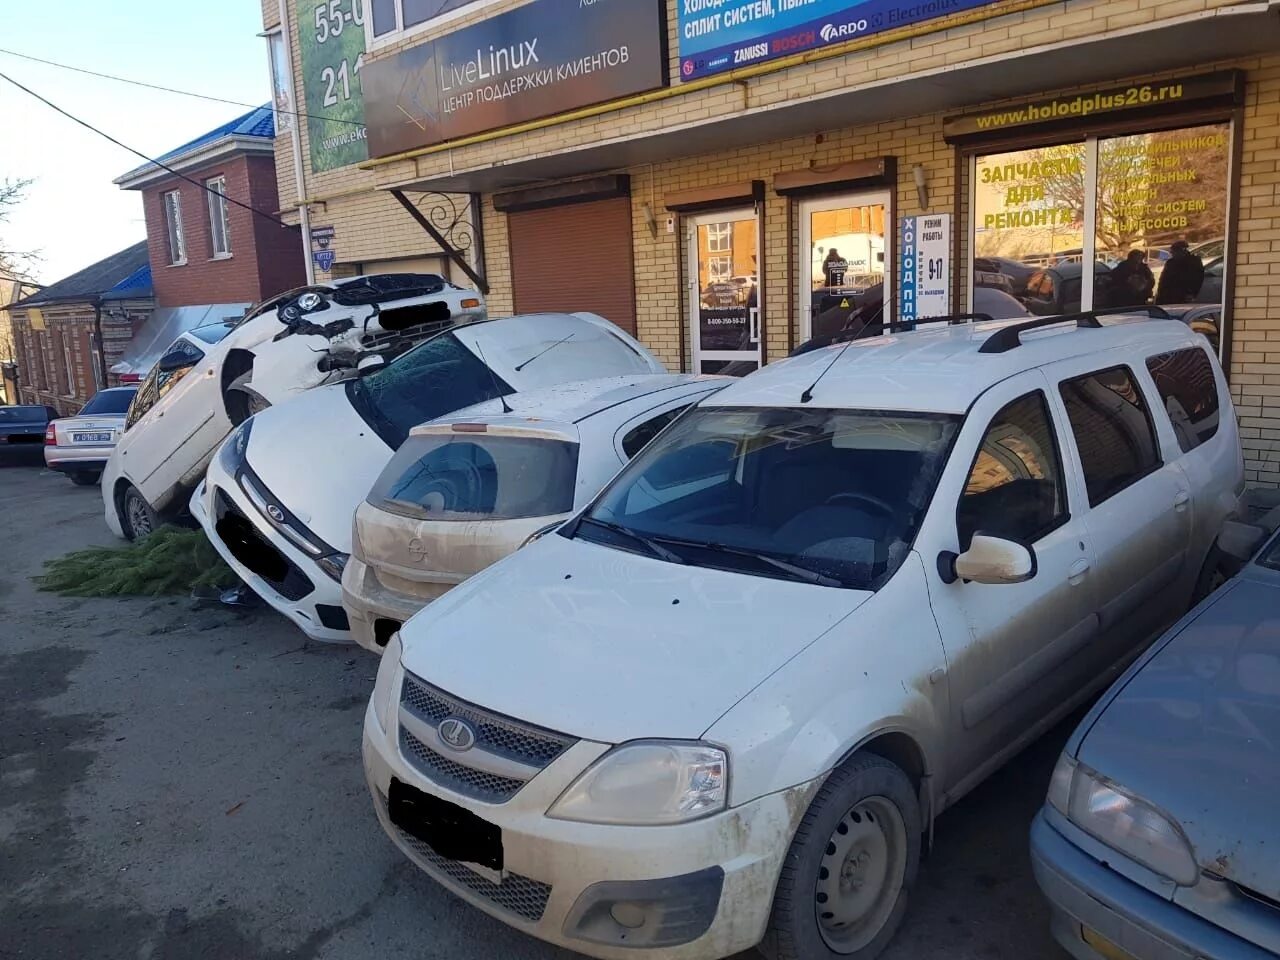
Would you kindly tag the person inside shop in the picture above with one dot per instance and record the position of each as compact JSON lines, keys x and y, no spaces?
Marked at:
{"x":1132,"y":281}
{"x":1182,"y":276}
{"x":834,"y":268}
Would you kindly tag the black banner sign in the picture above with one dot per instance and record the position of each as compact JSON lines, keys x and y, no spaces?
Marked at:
{"x":537,"y":60}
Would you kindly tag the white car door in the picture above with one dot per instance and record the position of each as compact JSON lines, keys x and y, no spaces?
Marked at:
{"x":1011,"y":649}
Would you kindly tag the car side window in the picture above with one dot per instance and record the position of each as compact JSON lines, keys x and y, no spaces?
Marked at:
{"x":144,"y":399}
{"x":639,"y":436}
{"x":1015,"y":487}
{"x":1113,"y":431}
{"x":1185,"y":381}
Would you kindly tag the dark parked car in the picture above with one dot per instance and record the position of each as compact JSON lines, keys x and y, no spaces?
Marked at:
{"x":1017,"y":272}
{"x":1056,"y":289}
{"x":1160,"y":838}
{"x":25,"y":424}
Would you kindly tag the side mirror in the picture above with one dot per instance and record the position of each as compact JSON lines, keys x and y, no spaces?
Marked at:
{"x":173,"y":361}
{"x":989,"y":559}
{"x":371,"y":364}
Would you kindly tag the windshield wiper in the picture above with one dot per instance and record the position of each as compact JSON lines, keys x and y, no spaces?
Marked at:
{"x":660,"y":552}
{"x":799,"y":572}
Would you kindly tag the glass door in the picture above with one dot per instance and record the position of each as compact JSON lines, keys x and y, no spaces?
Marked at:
{"x":724,"y":291}
{"x":847,"y":249}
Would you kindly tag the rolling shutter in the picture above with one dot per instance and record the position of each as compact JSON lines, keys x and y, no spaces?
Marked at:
{"x":575,"y":257}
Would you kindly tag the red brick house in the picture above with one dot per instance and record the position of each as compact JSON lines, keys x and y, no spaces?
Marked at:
{"x":204,"y":247}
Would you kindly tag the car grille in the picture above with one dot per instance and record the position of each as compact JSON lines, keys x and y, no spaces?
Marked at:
{"x":495,"y":734}
{"x":253,"y":550}
{"x":399,"y":340}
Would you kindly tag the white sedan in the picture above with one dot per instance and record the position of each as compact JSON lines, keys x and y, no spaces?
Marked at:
{"x":278,"y":500}
{"x":212,"y":379}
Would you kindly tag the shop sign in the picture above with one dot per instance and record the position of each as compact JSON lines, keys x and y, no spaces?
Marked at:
{"x":534,"y":61}
{"x":925,"y":282}
{"x":322,"y":250}
{"x":719,"y":35}
{"x":331,"y":46}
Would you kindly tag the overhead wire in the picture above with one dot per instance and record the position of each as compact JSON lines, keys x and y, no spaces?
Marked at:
{"x":163,"y":166}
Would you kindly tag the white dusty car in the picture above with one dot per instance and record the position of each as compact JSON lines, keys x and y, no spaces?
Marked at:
{"x":80,"y":446}
{"x":723,"y":705}
{"x":279,"y":497}
{"x":468,"y":489}
{"x":211,"y":379}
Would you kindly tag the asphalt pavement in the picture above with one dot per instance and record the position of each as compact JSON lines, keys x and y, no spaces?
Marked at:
{"x":181,"y":782}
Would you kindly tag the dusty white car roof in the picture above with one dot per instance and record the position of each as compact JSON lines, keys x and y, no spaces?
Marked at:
{"x":939,"y":368}
{"x":577,"y":400}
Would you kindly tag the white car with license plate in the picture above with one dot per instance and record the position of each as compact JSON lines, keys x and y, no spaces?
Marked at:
{"x":215,"y":377}
{"x":279,"y":497}
{"x":468,"y":489}
{"x":722,"y":706}
{"x":80,"y":446}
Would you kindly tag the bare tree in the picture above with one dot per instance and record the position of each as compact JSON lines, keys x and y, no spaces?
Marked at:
{"x":15,"y":264}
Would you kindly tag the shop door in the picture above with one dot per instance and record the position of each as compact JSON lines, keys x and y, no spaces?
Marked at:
{"x":843,"y":252}
{"x":724,"y":291}
{"x":575,"y":257}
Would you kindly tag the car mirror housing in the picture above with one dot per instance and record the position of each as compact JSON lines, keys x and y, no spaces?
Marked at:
{"x":173,"y":361}
{"x":371,"y":363}
{"x":989,"y":559}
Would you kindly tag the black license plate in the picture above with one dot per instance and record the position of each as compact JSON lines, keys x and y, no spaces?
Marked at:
{"x":448,"y":829}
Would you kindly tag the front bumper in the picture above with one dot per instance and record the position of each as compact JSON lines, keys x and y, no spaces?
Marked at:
{"x":1090,"y":900}
{"x":713,"y":878}
{"x":308,"y":596}
{"x":367,"y":602}
{"x":76,"y":459}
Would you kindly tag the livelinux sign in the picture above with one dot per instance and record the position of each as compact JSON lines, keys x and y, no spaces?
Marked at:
{"x":718,"y":35}
{"x":543,"y":58}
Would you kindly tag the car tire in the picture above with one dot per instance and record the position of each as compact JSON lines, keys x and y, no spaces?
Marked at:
{"x":242,"y":403}
{"x":843,"y":887}
{"x":85,"y":478}
{"x":137,"y":519}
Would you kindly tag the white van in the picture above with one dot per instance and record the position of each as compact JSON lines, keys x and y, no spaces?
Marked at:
{"x":722,"y":706}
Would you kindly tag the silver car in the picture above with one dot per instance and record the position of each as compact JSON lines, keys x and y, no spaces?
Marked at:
{"x":80,"y":446}
{"x":1160,"y":839}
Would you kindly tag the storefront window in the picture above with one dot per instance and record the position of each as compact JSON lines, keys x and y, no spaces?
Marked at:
{"x":846,"y":258}
{"x":726,"y":299}
{"x":1159,"y":202}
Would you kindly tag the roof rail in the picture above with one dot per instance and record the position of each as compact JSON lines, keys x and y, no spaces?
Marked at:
{"x":951,"y":319}
{"x":1009,"y":338}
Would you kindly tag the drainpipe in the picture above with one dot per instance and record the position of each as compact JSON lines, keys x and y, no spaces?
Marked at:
{"x":299,"y":97}
{"x":100,"y":344}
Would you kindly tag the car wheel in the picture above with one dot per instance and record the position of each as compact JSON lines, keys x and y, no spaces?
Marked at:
{"x":243,"y":403}
{"x":85,"y":478}
{"x":843,"y":886}
{"x":140,"y":520}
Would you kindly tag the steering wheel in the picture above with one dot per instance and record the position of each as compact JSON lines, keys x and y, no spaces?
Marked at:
{"x":866,"y":498}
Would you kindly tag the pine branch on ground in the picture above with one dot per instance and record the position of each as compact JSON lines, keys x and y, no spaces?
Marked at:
{"x":171,"y":560}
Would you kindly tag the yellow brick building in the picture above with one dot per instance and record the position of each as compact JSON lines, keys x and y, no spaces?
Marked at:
{"x":1040,"y":135}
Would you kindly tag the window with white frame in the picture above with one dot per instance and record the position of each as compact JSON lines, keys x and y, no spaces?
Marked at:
{"x":719,"y":237}
{"x":173,"y":225}
{"x":389,"y":16}
{"x":219,"y":227}
{"x":719,"y":268}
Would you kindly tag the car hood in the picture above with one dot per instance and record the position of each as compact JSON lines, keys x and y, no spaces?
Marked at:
{"x":611,"y":646}
{"x":1196,"y":731}
{"x":319,"y":458}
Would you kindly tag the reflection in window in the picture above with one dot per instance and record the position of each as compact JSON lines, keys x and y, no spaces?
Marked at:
{"x":1112,"y":430}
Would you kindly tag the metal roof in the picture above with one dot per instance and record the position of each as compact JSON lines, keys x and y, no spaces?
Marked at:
{"x":129,"y":270}
{"x":256,"y":125}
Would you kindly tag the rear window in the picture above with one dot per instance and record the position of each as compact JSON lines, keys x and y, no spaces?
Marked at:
{"x":477,"y":477}
{"x":108,"y":402}
{"x":1189,"y":391}
{"x":23,"y":414}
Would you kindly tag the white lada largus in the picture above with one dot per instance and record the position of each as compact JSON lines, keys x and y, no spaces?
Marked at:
{"x":722,"y":705}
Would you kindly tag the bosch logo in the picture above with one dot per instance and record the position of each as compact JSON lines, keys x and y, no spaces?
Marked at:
{"x":275,"y":513}
{"x":841,"y":31}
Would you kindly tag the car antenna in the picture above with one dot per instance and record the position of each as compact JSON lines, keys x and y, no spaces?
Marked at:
{"x":884,"y":324}
{"x":506,"y":407}
{"x":548,"y":349}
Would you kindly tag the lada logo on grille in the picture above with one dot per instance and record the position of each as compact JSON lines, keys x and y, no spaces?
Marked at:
{"x":275,"y":513}
{"x":457,"y":734}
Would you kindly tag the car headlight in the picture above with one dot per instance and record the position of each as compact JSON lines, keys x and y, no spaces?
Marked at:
{"x":333,"y":564}
{"x":648,"y":782}
{"x":309,"y":301}
{"x":232,"y":453}
{"x":384,"y":691}
{"x":1123,"y":821}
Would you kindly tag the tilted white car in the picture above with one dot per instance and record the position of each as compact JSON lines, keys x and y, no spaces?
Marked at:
{"x":468,"y":489}
{"x":215,"y":377}
{"x":279,"y":497}
{"x":723,"y":705}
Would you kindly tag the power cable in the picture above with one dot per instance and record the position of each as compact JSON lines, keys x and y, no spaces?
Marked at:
{"x":139,"y":153}
{"x":164,"y":89}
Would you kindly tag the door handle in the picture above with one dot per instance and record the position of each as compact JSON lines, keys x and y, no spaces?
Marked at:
{"x":1077,"y":571}
{"x":1181,"y":500}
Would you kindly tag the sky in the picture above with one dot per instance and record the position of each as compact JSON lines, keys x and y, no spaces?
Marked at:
{"x":73,"y":215}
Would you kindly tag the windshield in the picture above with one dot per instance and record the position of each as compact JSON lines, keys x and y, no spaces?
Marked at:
{"x":22,"y":414}
{"x":108,"y":402}
{"x":825,"y":496}
{"x":470,"y":476}
{"x":434,"y":378}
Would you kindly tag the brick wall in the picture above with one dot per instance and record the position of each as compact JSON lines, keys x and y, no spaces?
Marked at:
{"x":264,"y":260}
{"x":44,"y":375}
